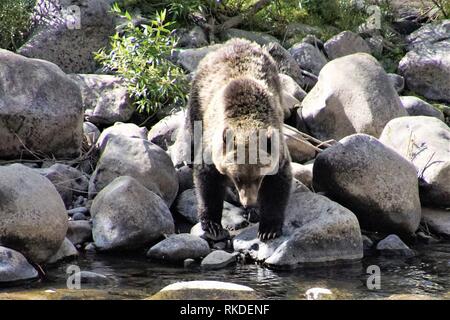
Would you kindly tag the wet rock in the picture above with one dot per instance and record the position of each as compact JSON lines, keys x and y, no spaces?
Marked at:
{"x":218,"y":259}
{"x":33,"y":219}
{"x":79,"y":232}
{"x":205,"y":290}
{"x":318,"y":294}
{"x":69,"y":181}
{"x":372,"y":180}
{"x":69,"y":43}
{"x":392,"y":245}
{"x":417,"y":107}
{"x":40,"y":109}
{"x":140,"y":159}
{"x":258,"y":37}
{"x":105,"y":98}
{"x":315,"y":230}
{"x":66,"y":251}
{"x":425,"y":141}
{"x":303,"y":173}
{"x":344,"y":44}
{"x":353,"y":95}
{"x":128,"y":130}
{"x":164,"y":132}
{"x":179,"y":247}
{"x":367,"y":243}
{"x":308,"y":57}
{"x":397,"y":81}
{"x":126,"y":216}
{"x":438,"y":220}
{"x":14,"y":267}
{"x":93,"y":278}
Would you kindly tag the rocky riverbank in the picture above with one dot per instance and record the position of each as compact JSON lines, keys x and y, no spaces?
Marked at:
{"x":80,"y":173}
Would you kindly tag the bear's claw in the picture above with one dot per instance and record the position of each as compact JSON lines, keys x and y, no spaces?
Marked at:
{"x":269,"y":234}
{"x":215,"y":229}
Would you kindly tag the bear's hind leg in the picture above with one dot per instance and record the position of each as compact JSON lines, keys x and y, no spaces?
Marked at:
{"x":273,"y":198}
{"x":210,"y":190}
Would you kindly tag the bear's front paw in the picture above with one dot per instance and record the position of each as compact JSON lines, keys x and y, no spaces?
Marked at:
{"x":215,"y":229}
{"x":269,"y":232}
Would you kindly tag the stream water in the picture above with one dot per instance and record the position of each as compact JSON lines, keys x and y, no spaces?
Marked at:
{"x":428,"y":273}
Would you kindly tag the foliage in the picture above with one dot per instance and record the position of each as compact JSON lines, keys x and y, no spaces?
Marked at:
{"x":15,"y":22}
{"x":443,"y":7}
{"x":141,"y":57}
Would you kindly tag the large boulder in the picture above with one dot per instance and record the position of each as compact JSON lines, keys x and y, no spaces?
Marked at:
{"x":140,"y":159}
{"x":417,"y":107}
{"x":427,"y":69}
{"x":33,"y":219}
{"x":68,"y":39}
{"x":129,"y":130}
{"x":179,"y":247}
{"x":309,"y":57}
{"x":372,"y":180}
{"x":126,"y":215}
{"x":425,"y":141}
{"x":40,"y":109}
{"x":345,"y":43}
{"x":164,"y":132}
{"x":353,"y":95}
{"x":254,"y":36}
{"x":205,"y":290}
{"x":14,"y":267}
{"x":429,"y":34}
{"x":315,"y":230}
{"x":105,"y":98}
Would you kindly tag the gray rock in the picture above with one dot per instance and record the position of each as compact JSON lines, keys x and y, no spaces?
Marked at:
{"x":185,"y":179}
{"x":397,"y":81}
{"x":197,"y":231}
{"x":179,"y":247}
{"x":232,"y":217}
{"x":288,"y":65}
{"x":345,"y":43}
{"x":438,"y":220}
{"x":429,"y":34}
{"x":427,"y":69}
{"x":68,"y":181}
{"x":40,"y":109}
{"x":79,"y":232}
{"x":164,"y":132}
{"x":353,"y":95}
{"x":91,"y":132}
{"x":392,"y":245}
{"x":80,"y":210}
{"x":66,"y":251}
{"x":190,"y":58}
{"x":291,"y":87}
{"x":218,"y":259}
{"x":367,"y":243}
{"x":372,"y":180}
{"x":417,"y":107}
{"x":194,"y":38}
{"x":289,"y":103}
{"x":189,"y":263}
{"x":299,"y":149}
{"x":308,"y":57}
{"x":205,"y":290}
{"x":128,"y":130}
{"x":425,"y":141}
{"x":376,"y":45}
{"x":33,"y":219}
{"x":126,"y":215}
{"x":14,"y":267}
{"x":79,"y":216}
{"x":315,"y":230}
{"x":258,"y":37}
{"x":140,"y":159}
{"x":105,"y":98}
{"x":303,"y":173}
{"x":68,"y":45}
